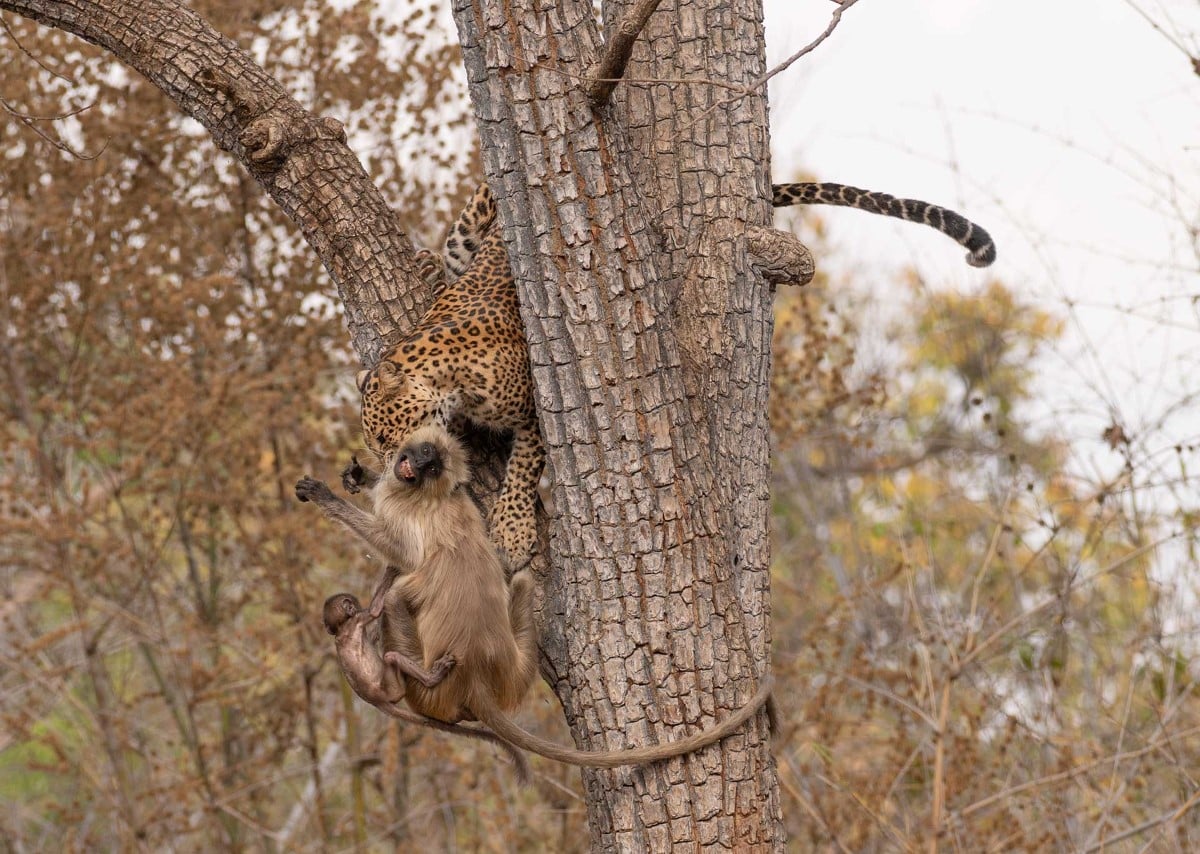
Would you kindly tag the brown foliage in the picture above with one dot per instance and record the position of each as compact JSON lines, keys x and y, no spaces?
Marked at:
{"x":974,"y":636}
{"x":969,"y":636}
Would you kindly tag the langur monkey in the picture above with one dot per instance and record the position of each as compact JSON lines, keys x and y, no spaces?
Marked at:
{"x":363,"y":666}
{"x":451,"y":599}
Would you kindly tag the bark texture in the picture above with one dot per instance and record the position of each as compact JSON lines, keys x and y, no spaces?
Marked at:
{"x":649,"y":337}
{"x":301,"y":160}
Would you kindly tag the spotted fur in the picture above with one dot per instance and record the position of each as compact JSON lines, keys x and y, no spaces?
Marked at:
{"x":468,"y":354}
{"x":468,"y":231}
{"x":981,"y":251}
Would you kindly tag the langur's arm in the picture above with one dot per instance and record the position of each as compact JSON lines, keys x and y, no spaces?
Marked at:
{"x":429,"y":678}
{"x":390,"y":574}
{"x":366,"y":526}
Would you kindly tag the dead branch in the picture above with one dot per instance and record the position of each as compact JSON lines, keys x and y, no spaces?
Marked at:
{"x":617,"y":52}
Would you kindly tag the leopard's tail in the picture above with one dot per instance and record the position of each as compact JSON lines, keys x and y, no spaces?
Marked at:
{"x":981,"y":250}
{"x":467,"y":233}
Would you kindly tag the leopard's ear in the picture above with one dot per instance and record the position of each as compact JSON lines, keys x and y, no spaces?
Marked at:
{"x":361,"y":380}
{"x":390,"y":375}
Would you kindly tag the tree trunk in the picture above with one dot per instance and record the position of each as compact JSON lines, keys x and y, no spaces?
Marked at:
{"x":649,"y":337}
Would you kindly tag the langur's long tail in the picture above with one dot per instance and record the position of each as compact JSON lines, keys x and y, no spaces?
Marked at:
{"x":406,"y":714}
{"x":484,"y":707}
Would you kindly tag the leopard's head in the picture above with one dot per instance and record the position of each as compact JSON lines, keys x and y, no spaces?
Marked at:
{"x":394,"y":404}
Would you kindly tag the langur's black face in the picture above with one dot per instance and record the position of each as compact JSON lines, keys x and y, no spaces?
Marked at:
{"x":418,"y":463}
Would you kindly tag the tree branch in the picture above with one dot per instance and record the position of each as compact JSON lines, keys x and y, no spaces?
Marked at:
{"x":757,"y":85}
{"x":611,"y":66}
{"x":302,"y":161}
{"x":834,"y":20}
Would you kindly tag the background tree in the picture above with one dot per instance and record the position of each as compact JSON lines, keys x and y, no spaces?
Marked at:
{"x":975,"y":635}
{"x":171,"y":360}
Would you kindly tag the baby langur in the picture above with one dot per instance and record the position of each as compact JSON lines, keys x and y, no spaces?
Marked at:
{"x":451,"y":599}
{"x":363,"y":666}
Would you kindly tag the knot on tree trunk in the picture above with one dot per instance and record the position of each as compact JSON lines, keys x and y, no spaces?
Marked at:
{"x":779,"y":256}
{"x":270,"y":140}
{"x":272,"y":129}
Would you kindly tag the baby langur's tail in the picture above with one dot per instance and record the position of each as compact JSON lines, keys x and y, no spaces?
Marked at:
{"x":406,"y":714}
{"x":486,"y":710}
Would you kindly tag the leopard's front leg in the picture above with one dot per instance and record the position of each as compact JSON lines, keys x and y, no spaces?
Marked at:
{"x":461,"y":401}
{"x":431,"y":268}
{"x":513,"y":520}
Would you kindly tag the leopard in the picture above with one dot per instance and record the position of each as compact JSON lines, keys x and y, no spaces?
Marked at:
{"x":467,"y":356}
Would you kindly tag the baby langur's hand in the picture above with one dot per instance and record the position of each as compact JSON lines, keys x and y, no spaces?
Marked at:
{"x":443,"y":666}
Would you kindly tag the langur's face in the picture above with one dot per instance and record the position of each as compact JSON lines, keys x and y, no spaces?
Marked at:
{"x":418,"y":463}
{"x":339,"y":608}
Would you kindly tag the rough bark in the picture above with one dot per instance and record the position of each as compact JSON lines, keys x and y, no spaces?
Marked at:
{"x":618,"y":47}
{"x":650,"y":345}
{"x":706,"y":157}
{"x":301,"y":160}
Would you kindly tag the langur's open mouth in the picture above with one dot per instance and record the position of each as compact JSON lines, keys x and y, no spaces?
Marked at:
{"x":404,"y":470}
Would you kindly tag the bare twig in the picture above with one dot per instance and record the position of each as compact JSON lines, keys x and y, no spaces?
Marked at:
{"x":1139,"y":829}
{"x":939,"y":769}
{"x":31,"y":123}
{"x":890,"y":695}
{"x":790,"y":788}
{"x":28,"y":53}
{"x":991,"y":639}
{"x":54,"y":118}
{"x":757,"y":85}
{"x":834,"y":20}
{"x":1005,"y":794}
{"x":993,"y":549}
{"x":1158,"y":29}
{"x":602,"y":77}
{"x":617,"y":52}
